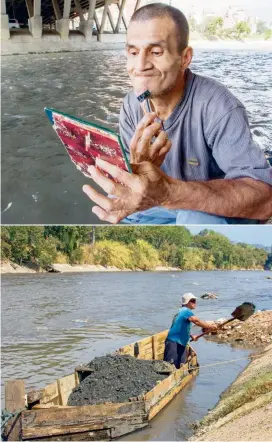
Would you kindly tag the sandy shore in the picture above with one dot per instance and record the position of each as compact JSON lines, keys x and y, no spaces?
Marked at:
{"x":8,"y":267}
{"x":11,"y":268}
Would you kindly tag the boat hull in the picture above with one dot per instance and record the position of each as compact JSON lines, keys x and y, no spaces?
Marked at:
{"x":49,"y":418}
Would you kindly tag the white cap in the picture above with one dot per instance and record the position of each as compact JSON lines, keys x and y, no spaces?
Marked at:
{"x":187,"y":297}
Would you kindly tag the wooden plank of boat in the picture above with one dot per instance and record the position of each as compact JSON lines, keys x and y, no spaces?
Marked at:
{"x":156,"y":399}
{"x":14,"y":401}
{"x":118,"y":418}
{"x":49,"y":416}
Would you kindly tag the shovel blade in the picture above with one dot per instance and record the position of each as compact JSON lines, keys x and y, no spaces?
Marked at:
{"x":243,"y":311}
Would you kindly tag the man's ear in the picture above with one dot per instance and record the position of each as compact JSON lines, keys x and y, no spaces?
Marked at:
{"x":187,"y":57}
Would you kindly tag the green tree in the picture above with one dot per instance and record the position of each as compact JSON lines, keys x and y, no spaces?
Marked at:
{"x":6,"y":250}
{"x":192,"y":24}
{"x":267,"y":34}
{"x":214,"y":26}
{"x":144,"y":256}
{"x":242,"y":28}
{"x":261,"y":27}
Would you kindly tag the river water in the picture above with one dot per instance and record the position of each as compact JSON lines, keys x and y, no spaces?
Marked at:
{"x":53,"y":322}
{"x":39,"y":183}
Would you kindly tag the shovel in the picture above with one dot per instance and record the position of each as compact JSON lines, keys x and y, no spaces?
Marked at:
{"x":242,"y":313}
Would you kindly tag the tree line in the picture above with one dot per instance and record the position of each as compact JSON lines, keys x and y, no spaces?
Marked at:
{"x":128,"y":247}
{"x":215,"y":27}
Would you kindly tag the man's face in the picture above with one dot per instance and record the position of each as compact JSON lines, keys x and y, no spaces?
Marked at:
{"x":153,"y":59}
{"x":191,"y":304}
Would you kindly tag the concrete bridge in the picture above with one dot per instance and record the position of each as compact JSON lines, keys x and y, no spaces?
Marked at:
{"x":60,"y":25}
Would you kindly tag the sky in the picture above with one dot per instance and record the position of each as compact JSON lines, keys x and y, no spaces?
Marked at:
{"x":260,"y":8}
{"x":255,"y":234}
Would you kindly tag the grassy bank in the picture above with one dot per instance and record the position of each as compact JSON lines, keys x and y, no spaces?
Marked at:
{"x":244,"y":409}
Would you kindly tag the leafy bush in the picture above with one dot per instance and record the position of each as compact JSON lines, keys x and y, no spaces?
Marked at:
{"x":83,"y":255}
{"x":144,"y":256}
{"x":111,"y":253}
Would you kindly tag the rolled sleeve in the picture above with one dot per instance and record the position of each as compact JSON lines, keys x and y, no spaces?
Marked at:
{"x":234,"y":150}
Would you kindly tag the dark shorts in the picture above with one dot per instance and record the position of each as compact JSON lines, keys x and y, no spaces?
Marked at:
{"x":174,"y":353}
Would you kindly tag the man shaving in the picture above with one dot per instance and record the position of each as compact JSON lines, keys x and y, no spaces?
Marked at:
{"x":211,"y":171}
{"x":179,"y":333}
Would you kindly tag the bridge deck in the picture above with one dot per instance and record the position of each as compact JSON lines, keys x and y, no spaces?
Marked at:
{"x":17,"y":9}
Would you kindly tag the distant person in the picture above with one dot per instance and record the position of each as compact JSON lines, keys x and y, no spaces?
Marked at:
{"x":211,"y":171}
{"x":180,"y":331}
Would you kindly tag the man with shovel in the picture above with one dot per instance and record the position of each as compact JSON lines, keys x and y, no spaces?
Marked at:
{"x":179,"y":333}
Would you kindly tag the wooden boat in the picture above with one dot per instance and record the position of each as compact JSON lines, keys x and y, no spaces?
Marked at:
{"x":47,"y":417}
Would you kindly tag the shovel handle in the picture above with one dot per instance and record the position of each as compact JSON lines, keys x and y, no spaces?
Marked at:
{"x":209,"y":331}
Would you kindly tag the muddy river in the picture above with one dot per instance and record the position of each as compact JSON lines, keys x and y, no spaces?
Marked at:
{"x":39,"y":183}
{"x":53,"y":322}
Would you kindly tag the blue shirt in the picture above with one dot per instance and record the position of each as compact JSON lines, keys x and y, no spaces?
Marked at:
{"x":181,"y":328}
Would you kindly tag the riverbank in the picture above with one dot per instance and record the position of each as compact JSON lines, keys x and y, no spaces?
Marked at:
{"x":255,"y":332}
{"x":244,"y":411}
{"x":12,"y":268}
{"x":222,"y":45}
{"x":19,"y":44}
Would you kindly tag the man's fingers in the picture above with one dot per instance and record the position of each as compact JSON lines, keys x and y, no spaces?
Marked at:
{"x":165,"y":149}
{"x":160,"y":142}
{"x":103,"y":201}
{"x":146,"y":122}
{"x":149,"y":132}
{"x":113,"y":218}
{"x":107,"y":184}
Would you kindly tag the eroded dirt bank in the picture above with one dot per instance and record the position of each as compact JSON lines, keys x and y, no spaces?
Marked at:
{"x":244,"y":411}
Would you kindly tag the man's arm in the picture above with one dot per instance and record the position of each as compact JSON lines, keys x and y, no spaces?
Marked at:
{"x":202,"y":324}
{"x":149,"y":187}
{"x":239,"y":198}
{"x":245,"y":192}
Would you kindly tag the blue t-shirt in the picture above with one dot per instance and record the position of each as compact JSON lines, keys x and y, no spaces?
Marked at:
{"x":181,"y":328}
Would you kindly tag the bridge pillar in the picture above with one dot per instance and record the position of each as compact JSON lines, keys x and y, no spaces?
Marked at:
{"x":35,"y":26}
{"x":35,"y":19}
{"x":62,"y":25}
{"x":103,"y":21}
{"x":87,"y":29}
{"x":121,"y":12}
{"x":86,"y":26}
{"x":5,"y":34}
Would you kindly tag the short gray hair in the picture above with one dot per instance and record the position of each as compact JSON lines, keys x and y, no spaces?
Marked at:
{"x":158,"y":10}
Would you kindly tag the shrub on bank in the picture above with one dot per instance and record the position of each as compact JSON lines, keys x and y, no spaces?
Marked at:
{"x":144,"y":256}
{"x":82,"y":255}
{"x":61,"y":258}
{"x":112,"y":254}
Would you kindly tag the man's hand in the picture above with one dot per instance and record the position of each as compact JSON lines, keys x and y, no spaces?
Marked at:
{"x":194,"y":338}
{"x":147,"y":187}
{"x":141,"y":146}
{"x":211,"y":327}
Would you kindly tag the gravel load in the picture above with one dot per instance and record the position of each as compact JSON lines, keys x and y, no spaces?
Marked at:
{"x":116,"y":378}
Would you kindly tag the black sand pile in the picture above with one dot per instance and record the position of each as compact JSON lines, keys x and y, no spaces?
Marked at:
{"x":118,"y":378}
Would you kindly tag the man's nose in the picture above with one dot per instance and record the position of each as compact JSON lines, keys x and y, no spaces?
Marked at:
{"x":142,"y":62}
